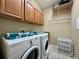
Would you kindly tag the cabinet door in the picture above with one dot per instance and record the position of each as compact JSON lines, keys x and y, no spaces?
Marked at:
{"x":29,"y":12}
{"x":38,"y":17}
{"x":41,"y":19}
{"x":12,"y":7}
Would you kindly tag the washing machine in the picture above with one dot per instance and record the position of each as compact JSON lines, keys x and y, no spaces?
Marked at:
{"x":21,"y":48}
{"x":36,"y":42}
{"x":45,"y":48}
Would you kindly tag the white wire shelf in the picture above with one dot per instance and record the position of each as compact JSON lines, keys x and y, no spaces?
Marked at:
{"x":63,"y":20}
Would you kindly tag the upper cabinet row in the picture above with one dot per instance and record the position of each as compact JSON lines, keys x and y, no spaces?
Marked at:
{"x":21,"y":9}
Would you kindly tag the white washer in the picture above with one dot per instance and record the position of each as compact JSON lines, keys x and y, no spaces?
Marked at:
{"x":36,"y":42}
{"x":22,"y":48}
{"x":44,"y":39}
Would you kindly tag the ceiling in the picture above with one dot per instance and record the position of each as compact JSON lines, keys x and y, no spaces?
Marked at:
{"x":46,"y":3}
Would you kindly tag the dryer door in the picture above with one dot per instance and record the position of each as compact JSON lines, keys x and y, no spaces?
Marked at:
{"x":32,"y":53}
{"x":46,"y":45}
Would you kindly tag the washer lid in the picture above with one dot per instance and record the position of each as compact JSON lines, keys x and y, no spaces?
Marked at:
{"x":32,"y":53}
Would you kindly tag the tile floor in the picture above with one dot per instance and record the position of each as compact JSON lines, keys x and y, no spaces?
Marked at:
{"x":53,"y":53}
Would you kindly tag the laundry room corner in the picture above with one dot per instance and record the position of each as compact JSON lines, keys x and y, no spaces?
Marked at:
{"x":39,"y":29}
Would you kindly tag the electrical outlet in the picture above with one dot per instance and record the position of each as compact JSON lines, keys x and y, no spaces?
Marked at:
{"x":22,"y":30}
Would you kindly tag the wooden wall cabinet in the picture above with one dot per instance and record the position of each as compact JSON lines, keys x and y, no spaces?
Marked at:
{"x":21,"y":9}
{"x":38,"y":17}
{"x":11,"y":8}
{"x":29,"y":12}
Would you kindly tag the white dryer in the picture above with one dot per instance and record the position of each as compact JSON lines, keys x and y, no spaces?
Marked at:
{"x":44,"y":39}
{"x":22,"y":48}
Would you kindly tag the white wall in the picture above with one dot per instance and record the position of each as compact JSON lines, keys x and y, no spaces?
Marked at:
{"x":56,"y":29}
{"x":75,"y":33}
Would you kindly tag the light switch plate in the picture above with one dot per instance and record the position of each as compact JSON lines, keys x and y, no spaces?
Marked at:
{"x":77,"y":23}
